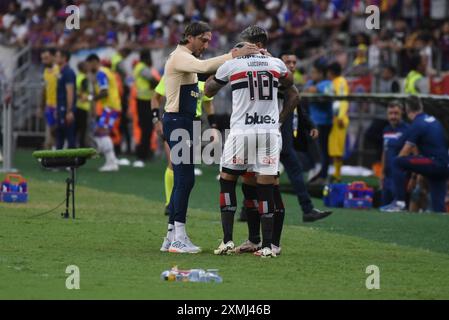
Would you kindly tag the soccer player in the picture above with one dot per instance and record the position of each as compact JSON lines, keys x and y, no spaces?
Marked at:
{"x":337,"y":137}
{"x":48,"y":106}
{"x":107,"y":93}
{"x":392,"y":136}
{"x":181,"y":86}
{"x":426,"y":134}
{"x":156,"y":102}
{"x":66,"y":102}
{"x":254,"y":142}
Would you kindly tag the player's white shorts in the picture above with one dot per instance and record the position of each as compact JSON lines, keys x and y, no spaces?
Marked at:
{"x":252,"y":152}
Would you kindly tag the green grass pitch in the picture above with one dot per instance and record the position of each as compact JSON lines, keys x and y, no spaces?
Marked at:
{"x":116,"y":237}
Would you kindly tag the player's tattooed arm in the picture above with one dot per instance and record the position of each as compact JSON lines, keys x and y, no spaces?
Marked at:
{"x":212,"y":87}
{"x":290,"y":103}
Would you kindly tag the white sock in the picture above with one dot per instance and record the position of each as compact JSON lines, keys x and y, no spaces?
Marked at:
{"x":106,"y":147}
{"x":180,"y":231}
{"x":171,"y":232}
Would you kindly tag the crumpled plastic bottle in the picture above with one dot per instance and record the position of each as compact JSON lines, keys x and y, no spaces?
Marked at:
{"x":192,"y":275}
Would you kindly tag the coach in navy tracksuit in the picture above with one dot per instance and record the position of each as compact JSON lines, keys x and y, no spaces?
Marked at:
{"x":426,"y":134}
{"x":392,"y":137}
{"x":66,"y":102}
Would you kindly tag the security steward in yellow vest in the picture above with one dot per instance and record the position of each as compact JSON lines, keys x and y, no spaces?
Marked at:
{"x":415,"y":82}
{"x":146,"y":79}
{"x":83,"y":105}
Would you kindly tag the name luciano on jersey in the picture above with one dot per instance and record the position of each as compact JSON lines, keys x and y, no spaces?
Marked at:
{"x":257,"y":64}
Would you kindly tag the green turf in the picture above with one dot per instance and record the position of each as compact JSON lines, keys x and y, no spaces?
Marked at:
{"x":68,"y":153}
{"x":120,"y":225}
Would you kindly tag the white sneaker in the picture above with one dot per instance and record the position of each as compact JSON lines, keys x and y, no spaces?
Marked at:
{"x":276,"y":250}
{"x":123,"y":162}
{"x":111,"y":167}
{"x":265,"y":253}
{"x":139,"y":164}
{"x":198,"y":172}
{"x":248,"y":246}
{"x":225,"y":248}
{"x":165,"y":245}
{"x":183,"y":246}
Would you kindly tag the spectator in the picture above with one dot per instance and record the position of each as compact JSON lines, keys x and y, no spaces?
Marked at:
{"x":444,"y":46}
{"x":388,"y":81}
{"x":326,"y":19}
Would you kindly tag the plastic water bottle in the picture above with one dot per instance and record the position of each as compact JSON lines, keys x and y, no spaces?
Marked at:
{"x":213,"y":276}
{"x":193,"y":275}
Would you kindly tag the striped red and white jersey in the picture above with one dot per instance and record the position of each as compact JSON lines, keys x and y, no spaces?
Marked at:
{"x":254,"y":82}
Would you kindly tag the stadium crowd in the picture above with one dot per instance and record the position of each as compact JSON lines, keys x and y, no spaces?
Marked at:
{"x":306,"y":27}
{"x":412,"y":43}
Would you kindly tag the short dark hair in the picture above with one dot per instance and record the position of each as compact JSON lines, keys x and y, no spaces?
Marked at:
{"x":81,"y":66}
{"x":65,"y":53}
{"x":255,"y":34}
{"x":194,"y":29}
{"x":93,"y":57}
{"x":51,"y":51}
{"x":415,"y":61}
{"x":145,"y":56}
{"x":390,"y":68}
{"x":287,"y":53}
{"x":335,"y":68}
{"x":414,"y":105}
{"x":320,"y":66}
{"x":396,"y":103}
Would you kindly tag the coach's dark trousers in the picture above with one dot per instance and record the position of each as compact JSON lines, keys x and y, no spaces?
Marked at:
{"x":435,"y":171}
{"x":181,"y":152}
{"x":293,"y":166}
{"x":64,"y":131}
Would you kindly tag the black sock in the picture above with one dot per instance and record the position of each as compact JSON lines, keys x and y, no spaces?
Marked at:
{"x":253,"y":225}
{"x":252,"y":212}
{"x":266,"y":210}
{"x":228,"y":206}
{"x":278,"y":219}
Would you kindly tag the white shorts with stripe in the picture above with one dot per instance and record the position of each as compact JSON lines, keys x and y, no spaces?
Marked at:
{"x":255,"y":151}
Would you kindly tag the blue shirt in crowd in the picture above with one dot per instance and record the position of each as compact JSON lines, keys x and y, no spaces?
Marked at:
{"x":393,"y":142}
{"x":321,"y":112}
{"x":427,"y":133}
